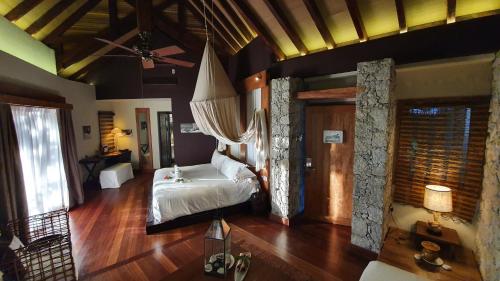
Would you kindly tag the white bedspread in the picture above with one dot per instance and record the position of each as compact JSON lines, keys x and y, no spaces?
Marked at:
{"x":205,"y":189}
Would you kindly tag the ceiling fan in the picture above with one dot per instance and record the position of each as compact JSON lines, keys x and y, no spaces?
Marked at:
{"x":148,"y":57}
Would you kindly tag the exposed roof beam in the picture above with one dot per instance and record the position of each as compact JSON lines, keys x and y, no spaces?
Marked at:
{"x":452,"y":5}
{"x":353,"y":8}
{"x":243,"y":18}
{"x":113,"y":16}
{"x":22,"y":9}
{"x":143,"y":10}
{"x":234,"y":19}
{"x":70,"y":21}
{"x":51,"y":14}
{"x":197,"y":11}
{"x":323,"y":29}
{"x":401,"y":16}
{"x":127,"y":24}
{"x":249,"y":17}
{"x":280,"y":16}
{"x":224,"y":22}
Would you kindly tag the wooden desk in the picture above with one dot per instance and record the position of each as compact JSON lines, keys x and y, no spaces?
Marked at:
{"x":399,"y":253}
{"x":90,"y":163}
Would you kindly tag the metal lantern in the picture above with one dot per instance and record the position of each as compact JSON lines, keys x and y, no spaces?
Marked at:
{"x":218,"y":248}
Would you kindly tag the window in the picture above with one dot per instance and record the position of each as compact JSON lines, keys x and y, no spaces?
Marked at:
{"x":106,"y":124}
{"x":37,"y":131}
{"x":441,"y":142}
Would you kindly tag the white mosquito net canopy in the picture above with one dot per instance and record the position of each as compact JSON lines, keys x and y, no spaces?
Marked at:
{"x":214,"y":108}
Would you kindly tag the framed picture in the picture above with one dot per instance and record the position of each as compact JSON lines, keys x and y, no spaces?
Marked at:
{"x":330,"y":136}
{"x":189,"y":128}
{"x":86,"y":132}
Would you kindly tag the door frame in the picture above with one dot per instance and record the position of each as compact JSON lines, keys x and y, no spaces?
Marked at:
{"x":160,"y":143}
{"x":138,"y":127}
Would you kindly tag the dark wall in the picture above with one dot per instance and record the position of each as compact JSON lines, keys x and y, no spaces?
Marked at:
{"x":452,"y":40}
{"x":121,"y":78}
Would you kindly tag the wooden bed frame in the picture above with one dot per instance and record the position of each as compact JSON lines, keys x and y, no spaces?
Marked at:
{"x":152,"y":228}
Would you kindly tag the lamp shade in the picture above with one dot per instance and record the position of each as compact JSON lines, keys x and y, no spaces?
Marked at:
{"x":438,"y":198}
{"x":116,"y":131}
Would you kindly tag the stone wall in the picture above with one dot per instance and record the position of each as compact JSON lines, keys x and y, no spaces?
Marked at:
{"x":373,"y":152}
{"x":488,"y":234}
{"x":287,"y":146}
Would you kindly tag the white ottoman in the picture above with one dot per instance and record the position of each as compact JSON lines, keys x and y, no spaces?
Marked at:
{"x":380,"y":271}
{"x":114,"y":176}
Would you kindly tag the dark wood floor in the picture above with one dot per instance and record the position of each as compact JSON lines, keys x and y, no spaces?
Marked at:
{"x":110,"y":243}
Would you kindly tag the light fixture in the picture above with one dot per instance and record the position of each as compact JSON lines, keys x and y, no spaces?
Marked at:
{"x":362,"y":40}
{"x":116,"y":132}
{"x":258,"y":77}
{"x":302,"y":53}
{"x":218,"y":248}
{"x":438,"y":199}
{"x":403,"y":30}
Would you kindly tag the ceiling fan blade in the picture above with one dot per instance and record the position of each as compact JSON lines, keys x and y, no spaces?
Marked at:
{"x":167,"y":51}
{"x":116,"y":45}
{"x":182,"y":63}
{"x":148,"y":64}
{"x":119,"y":56}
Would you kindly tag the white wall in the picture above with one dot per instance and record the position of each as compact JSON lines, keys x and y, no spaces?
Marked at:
{"x":467,"y":76}
{"x":81,"y":96}
{"x":125,"y":119}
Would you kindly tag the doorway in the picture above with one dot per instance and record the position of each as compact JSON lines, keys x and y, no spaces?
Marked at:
{"x":166,"y":138}
{"x":144,"y":138}
{"x":329,"y":163}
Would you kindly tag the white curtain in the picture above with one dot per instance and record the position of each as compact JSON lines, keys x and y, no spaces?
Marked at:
{"x":41,"y":158}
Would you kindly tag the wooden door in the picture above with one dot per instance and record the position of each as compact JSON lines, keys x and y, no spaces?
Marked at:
{"x":329,"y":177}
{"x":144,"y":139}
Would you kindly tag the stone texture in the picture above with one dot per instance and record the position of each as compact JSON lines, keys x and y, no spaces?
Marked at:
{"x":488,"y":234}
{"x":287,"y":146}
{"x":373,"y":153}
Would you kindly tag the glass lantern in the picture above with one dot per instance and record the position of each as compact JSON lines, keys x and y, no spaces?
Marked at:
{"x":217,"y":248}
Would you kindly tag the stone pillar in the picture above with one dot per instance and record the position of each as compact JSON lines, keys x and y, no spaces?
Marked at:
{"x":373,"y":152}
{"x":287,"y":146}
{"x":488,"y":225}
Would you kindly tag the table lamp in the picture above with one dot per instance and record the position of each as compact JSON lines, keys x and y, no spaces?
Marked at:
{"x":116,"y":132}
{"x":438,"y":199}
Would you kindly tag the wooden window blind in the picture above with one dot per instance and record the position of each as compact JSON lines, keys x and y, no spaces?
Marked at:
{"x":441,"y":141}
{"x":106,"y":124}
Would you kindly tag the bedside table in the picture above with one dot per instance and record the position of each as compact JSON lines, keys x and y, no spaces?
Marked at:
{"x":448,"y":240}
{"x":399,"y":253}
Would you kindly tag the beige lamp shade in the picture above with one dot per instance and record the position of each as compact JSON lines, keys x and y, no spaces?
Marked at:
{"x":438,"y":198}
{"x":116,"y":131}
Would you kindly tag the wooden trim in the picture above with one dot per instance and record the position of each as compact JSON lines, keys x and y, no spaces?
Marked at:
{"x":335,"y":93}
{"x":401,"y":16}
{"x":150,"y":140}
{"x":22,"y":9}
{"x":353,"y":8}
{"x":320,"y":23}
{"x":24,"y":101}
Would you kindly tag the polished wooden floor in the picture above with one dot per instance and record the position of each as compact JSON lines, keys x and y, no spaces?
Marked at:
{"x":109,"y":240}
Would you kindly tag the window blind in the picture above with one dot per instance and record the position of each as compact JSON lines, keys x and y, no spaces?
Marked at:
{"x":106,"y":124}
{"x":441,"y":141}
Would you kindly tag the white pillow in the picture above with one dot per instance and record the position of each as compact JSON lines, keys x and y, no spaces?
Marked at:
{"x":231,"y":168}
{"x":245,"y":174}
{"x":218,"y":159}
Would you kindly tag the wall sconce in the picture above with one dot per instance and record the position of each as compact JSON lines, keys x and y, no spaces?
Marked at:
{"x":258,"y":77}
{"x":127,"y":132}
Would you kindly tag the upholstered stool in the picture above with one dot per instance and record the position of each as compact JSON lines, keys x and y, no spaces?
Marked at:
{"x":114,"y":176}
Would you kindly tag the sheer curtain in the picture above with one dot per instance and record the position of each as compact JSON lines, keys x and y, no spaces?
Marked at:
{"x":37,"y":131}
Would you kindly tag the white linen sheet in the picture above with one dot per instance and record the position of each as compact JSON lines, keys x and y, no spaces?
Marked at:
{"x":205,"y":189}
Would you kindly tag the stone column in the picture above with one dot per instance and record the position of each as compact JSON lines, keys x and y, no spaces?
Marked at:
{"x":287,"y":146}
{"x":373,"y":152}
{"x":488,"y":225}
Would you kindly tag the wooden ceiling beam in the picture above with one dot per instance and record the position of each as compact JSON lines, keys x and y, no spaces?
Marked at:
{"x":401,"y":16}
{"x":323,"y":29}
{"x":283,"y":21}
{"x":125,"y":25}
{"x":216,"y":28}
{"x":21,"y":9}
{"x":144,"y":14}
{"x":353,"y":8}
{"x":452,"y":6}
{"x":49,"y":15}
{"x":250,"y":18}
{"x":235,"y":20}
{"x":224,"y":22}
{"x":70,"y":21}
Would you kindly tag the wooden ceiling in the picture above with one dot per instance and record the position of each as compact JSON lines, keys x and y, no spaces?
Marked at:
{"x":291,"y":28}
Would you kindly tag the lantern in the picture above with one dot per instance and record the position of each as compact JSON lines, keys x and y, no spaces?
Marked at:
{"x":217,"y":248}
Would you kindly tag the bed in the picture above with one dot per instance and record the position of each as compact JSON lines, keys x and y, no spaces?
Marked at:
{"x":207,"y":188}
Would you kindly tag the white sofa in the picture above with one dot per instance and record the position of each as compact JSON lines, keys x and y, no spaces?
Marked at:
{"x":114,"y":176}
{"x":379,"y":271}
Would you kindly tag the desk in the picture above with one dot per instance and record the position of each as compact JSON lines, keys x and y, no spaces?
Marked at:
{"x":399,"y":253}
{"x":90,"y":163}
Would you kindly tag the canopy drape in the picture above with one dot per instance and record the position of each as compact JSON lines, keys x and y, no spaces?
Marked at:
{"x":214,"y":108}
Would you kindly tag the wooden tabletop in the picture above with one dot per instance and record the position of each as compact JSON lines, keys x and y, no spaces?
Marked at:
{"x":398,"y":250}
{"x":448,"y":236}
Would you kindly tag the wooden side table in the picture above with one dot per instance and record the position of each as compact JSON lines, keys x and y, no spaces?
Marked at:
{"x":448,"y":241}
{"x":398,"y":251}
